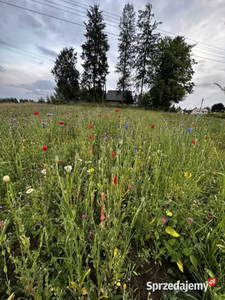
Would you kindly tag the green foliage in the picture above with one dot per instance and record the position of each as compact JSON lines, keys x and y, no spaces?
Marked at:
{"x":146,"y":46}
{"x":173,"y":71}
{"x":126,"y":49}
{"x":8,"y":100}
{"x":66,"y":76}
{"x":218,"y":107}
{"x":94,"y":52}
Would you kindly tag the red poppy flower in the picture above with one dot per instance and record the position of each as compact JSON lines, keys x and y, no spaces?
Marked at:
{"x":193,"y":141}
{"x":115,"y":180}
{"x":153,"y":126}
{"x":113,"y":154}
{"x":100,"y":115}
{"x":90,"y":136}
{"x":45,"y":148}
{"x":67,"y":113}
{"x":90,"y":126}
{"x":61,"y":123}
{"x":116,"y":110}
{"x":119,"y":120}
{"x":118,"y":116}
{"x":195,"y":125}
{"x":105,"y":115}
{"x":36,"y":113}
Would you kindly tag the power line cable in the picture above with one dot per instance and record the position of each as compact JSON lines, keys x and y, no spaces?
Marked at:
{"x":86,"y":5}
{"x":17,"y":51}
{"x":27,"y":52}
{"x":192,"y":40}
{"x":37,"y":12}
{"x":209,"y":59}
{"x":78,"y":23}
{"x":66,"y":10}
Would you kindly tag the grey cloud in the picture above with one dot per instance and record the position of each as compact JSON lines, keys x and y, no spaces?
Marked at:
{"x":27,"y":20}
{"x":45,"y":85}
{"x":2,"y":69}
{"x":47,"y":51}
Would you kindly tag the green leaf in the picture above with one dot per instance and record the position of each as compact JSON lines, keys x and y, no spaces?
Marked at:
{"x":5,"y":269}
{"x":210,"y":273}
{"x":171,"y":231}
{"x":194,"y":261}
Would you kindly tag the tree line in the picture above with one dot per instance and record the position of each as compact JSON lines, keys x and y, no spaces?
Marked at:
{"x":159,"y":69}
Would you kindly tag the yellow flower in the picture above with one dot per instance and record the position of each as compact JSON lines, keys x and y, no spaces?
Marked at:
{"x":169,"y":213}
{"x":159,"y":151}
{"x":214,"y":173}
{"x":124,"y":286}
{"x":205,"y":141}
{"x":6,"y":179}
{"x":190,"y":175}
{"x":45,"y":165}
{"x":186,"y":174}
{"x":141,"y":147}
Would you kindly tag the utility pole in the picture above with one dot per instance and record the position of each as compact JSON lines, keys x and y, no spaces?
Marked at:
{"x":201,"y":104}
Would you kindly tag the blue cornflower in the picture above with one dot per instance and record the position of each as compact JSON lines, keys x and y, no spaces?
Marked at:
{"x":135,"y":147}
{"x":126,"y":127}
{"x":221,"y":124}
{"x":189,"y":130}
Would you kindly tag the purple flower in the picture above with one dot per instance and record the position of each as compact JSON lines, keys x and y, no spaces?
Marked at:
{"x":221,"y":124}
{"x":59,"y":161}
{"x":164,"y":220}
{"x":135,"y":147}
{"x":190,"y":220}
{"x":90,"y":148}
{"x":126,"y":127}
{"x":131,"y":187}
{"x":104,"y":136}
{"x":83,"y":217}
{"x":165,"y":126}
{"x":90,"y":233}
{"x":7,"y":241}
{"x":189,"y":130}
{"x":0,"y":207}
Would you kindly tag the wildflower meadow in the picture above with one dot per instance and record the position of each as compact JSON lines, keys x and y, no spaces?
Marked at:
{"x":97,"y":201}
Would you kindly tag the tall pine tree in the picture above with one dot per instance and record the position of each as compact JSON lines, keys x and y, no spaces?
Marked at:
{"x":126,"y":47}
{"x":146,"y":46}
{"x":94,"y":51}
{"x":66,"y":76}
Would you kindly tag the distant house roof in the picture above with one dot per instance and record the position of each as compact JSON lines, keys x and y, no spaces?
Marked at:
{"x":199,"y":111}
{"x":114,"y":96}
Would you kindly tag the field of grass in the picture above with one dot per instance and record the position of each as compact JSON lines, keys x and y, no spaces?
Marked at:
{"x":97,"y":201}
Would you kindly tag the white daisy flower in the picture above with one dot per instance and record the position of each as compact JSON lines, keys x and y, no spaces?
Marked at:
{"x":29,"y":191}
{"x":80,"y":159}
{"x":44,"y":171}
{"x":68,"y":168}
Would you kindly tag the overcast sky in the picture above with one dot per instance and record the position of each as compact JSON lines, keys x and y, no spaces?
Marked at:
{"x":30,"y":42}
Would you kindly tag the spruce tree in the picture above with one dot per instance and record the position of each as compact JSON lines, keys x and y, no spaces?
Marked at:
{"x":94,"y":52}
{"x":126,"y":47}
{"x":146,"y":46}
{"x":66,"y":76}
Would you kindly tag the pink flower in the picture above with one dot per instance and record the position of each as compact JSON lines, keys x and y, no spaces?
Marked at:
{"x":0,"y":207}
{"x":164,"y":220}
{"x":102,"y":216}
{"x":190,"y":220}
{"x":209,"y":217}
{"x":90,"y":148}
{"x":90,"y":233}
{"x":83,"y":217}
{"x":131,"y":187}
{"x":7,"y":241}
{"x":2,"y":223}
